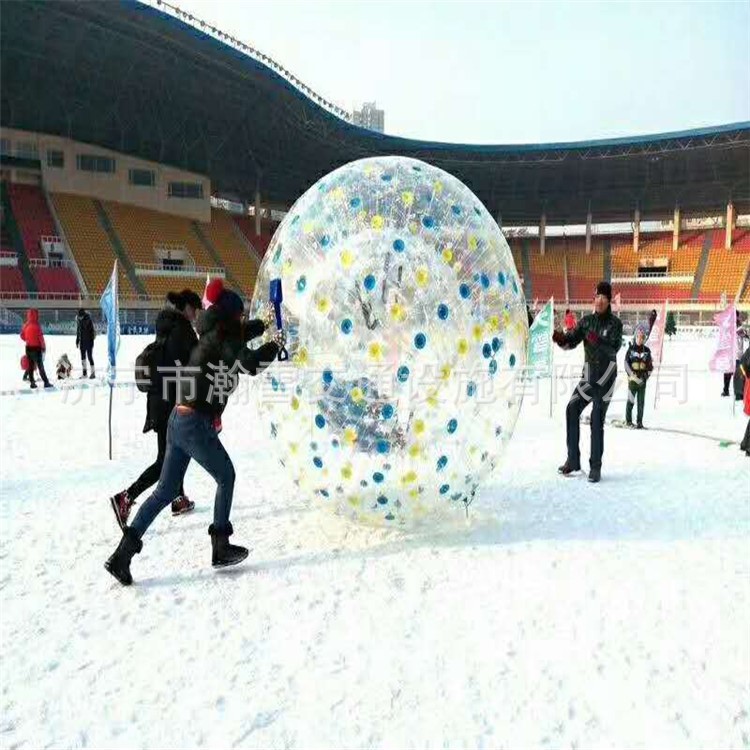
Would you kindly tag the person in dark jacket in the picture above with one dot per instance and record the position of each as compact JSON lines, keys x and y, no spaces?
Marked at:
{"x":85,"y":335}
{"x":745,"y":371}
{"x":32,"y":334}
{"x":601,"y":334}
{"x":174,"y":330}
{"x":652,"y":316}
{"x":192,"y":432}
{"x":638,"y":365}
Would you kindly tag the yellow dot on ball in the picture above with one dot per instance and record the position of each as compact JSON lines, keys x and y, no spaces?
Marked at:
{"x":432,"y":398}
{"x":350,"y":436}
{"x":414,"y":493}
{"x":300,"y":357}
{"x":346,"y":471}
{"x":398,"y":312}
{"x":506,"y":317}
{"x":295,"y":403}
{"x":413,"y":227}
{"x":308,"y":227}
{"x":418,"y":427}
{"x":473,"y":242}
{"x":407,"y":198}
{"x":415,"y":450}
{"x":409,"y":477}
{"x":353,"y":500}
{"x":323,"y":305}
{"x":422,"y":277}
{"x":437,"y":187}
{"x":337,"y":194}
{"x":378,"y":222}
{"x":347,"y":258}
{"x":356,"y":394}
{"x":447,"y":254}
{"x":375,"y":350}
{"x":445,"y":372}
{"x":463,"y":346}
{"x":494,"y":323}
{"x":293,"y":448}
{"x":476,"y":332}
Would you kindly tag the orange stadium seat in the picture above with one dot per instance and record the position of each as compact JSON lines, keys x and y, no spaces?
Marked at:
{"x":88,"y":242}
{"x":726,"y":269}
{"x":548,"y":270}
{"x":584,"y":271}
{"x":238,"y":259}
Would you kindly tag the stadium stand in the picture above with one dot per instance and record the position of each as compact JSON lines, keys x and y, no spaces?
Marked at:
{"x":259,"y":243}
{"x":88,"y":242}
{"x":548,"y":270}
{"x":229,"y":243}
{"x":34,"y":222}
{"x":584,"y":271}
{"x":726,"y":269}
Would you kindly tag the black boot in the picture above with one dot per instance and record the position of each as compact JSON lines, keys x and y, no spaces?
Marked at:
{"x":224,"y":553}
{"x":566,"y":469}
{"x":595,"y":475}
{"x":119,"y":563}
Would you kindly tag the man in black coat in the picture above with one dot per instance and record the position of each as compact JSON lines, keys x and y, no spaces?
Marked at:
{"x":174,"y":332}
{"x":85,"y":335}
{"x":601,"y":334}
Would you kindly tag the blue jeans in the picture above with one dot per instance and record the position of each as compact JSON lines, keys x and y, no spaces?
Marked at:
{"x":189,"y":435}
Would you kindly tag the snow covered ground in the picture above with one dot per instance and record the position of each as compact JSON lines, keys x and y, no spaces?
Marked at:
{"x":562,"y":614}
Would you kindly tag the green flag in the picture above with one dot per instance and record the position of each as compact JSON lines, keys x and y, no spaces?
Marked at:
{"x":540,"y":342}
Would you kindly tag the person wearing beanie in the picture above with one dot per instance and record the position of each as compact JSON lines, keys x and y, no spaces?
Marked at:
{"x":638,"y":366}
{"x":85,"y":335}
{"x":601,"y":334}
{"x":175,"y":341}
{"x":194,"y":425}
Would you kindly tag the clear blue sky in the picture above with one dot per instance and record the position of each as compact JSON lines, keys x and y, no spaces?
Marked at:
{"x":510,"y":72}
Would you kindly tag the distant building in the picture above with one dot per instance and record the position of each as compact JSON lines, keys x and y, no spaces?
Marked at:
{"x":369,"y":117}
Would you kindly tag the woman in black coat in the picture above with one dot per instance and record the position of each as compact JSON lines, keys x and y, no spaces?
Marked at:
{"x":175,"y":333}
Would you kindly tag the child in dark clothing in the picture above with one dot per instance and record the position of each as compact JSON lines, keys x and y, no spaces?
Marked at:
{"x":638,"y":365}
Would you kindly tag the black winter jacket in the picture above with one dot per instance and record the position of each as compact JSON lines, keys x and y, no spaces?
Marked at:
{"x":600,"y":358}
{"x":85,"y":332}
{"x":179,"y":340}
{"x":220,"y":357}
{"x":638,"y":362}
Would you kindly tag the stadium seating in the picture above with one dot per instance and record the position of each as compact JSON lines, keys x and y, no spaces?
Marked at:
{"x":11,"y":279}
{"x":584,"y":271}
{"x":548,"y":270}
{"x":726,"y":269}
{"x":238,"y":260}
{"x":88,"y":242}
{"x":247,"y":227}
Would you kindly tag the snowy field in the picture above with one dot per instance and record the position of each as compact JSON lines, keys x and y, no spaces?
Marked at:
{"x":561,"y":614}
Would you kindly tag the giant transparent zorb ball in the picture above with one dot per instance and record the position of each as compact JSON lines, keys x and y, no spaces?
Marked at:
{"x":407,"y":334}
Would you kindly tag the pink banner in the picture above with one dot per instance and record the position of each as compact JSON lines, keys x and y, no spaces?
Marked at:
{"x":726,"y":345}
{"x":617,"y":303}
{"x":656,"y":335}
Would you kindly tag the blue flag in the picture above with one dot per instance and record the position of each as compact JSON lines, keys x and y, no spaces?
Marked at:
{"x":110,"y":305}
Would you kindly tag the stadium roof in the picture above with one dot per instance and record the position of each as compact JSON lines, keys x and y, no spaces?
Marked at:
{"x":132,"y":78}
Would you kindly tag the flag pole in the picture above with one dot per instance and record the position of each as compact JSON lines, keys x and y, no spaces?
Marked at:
{"x":551,"y":354}
{"x":111,"y":389}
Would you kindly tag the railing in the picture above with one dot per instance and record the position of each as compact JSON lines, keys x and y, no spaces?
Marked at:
{"x":654,"y":278}
{"x":159,"y":269}
{"x":49,"y":263}
{"x":212,"y":31}
{"x":8,"y":258}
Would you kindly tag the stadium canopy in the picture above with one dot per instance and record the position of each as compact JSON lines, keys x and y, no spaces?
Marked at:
{"x":131,"y":78}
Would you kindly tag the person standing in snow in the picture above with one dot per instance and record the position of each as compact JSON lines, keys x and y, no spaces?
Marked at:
{"x":193,"y":430}
{"x":32,"y":334}
{"x":176,"y":339}
{"x":638,"y":366}
{"x":85,"y":335}
{"x":601,"y":334}
{"x":745,"y":370}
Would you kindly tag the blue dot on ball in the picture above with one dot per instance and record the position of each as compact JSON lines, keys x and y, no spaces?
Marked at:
{"x":403,"y":373}
{"x":274,"y":384}
{"x":456,"y":210}
{"x":318,"y":461}
{"x":495,"y":344}
{"x":398,"y":246}
{"x":486,"y":351}
{"x":452,"y":426}
{"x":301,"y":284}
{"x":444,"y":488}
{"x":443,"y":312}
{"x":515,"y":286}
{"x":471,"y":388}
{"x":382,"y":446}
{"x":389,"y":516}
{"x":485,"y":281}
{"x":327,"y":377}
{"x":442,"y":462}
{"x":501,"y":278}
{"x":428,"y":222}
{"x":324,"y":493}
{"x":355,"y":202}
{"x":465,"y":291}
{"x":382,"y":500}
{"x":512,"y":360}
{"x":386,"y":177}
{"x":325,"y":240}
{"x":346,"y":326}
{"x":387,"y":411}
{"x":320,"y":421}
{"x":493,"y":367}
{"x":369,"y":282}
{"x":420,"y":340}
{"x":377,"y":477}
